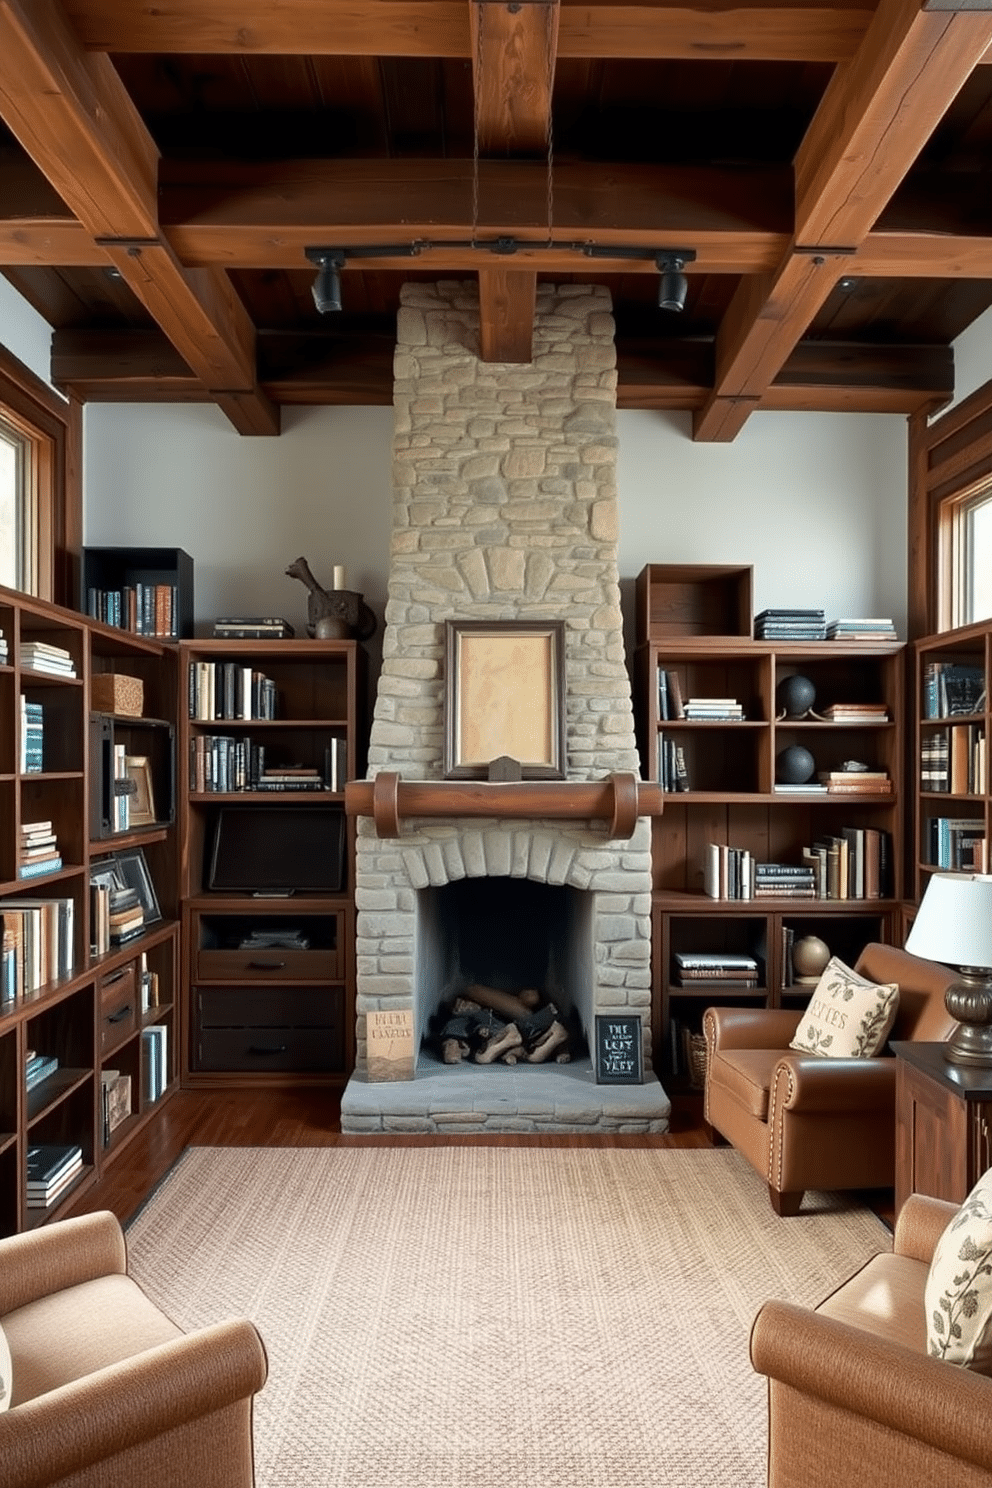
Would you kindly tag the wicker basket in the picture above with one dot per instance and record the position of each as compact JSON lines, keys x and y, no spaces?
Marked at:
{"x":695,"y":1058}
{"x":114,"y":692}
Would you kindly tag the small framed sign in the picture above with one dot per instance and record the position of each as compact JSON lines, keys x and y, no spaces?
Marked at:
{"x":618,"y":1049}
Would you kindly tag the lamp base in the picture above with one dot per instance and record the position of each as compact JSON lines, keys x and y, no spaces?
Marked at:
{"x":970,"y":1002}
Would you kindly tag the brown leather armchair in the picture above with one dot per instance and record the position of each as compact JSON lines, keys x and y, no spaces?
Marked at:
{"x":853,"y":1396}
{"x":805,"y":1121}
{"x":106,"y":1388}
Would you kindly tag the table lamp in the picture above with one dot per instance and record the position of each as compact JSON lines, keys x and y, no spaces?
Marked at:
{"x":954,"y":925}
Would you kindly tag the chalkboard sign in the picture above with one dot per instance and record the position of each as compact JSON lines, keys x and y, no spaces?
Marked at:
{"x":618,"y":1050}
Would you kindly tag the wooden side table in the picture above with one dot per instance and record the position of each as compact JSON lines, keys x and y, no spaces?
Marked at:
{"x":943,"y":1124}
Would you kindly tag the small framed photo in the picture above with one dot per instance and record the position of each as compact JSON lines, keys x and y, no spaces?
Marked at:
{"x":133,"y":871}
{"x":504,"y":696}
{"x":142,"y":806}
{"x":106,"y":875}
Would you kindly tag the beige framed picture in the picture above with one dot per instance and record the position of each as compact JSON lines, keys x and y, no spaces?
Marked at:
{"x":505,"y":697}
{"x":142,"y":809}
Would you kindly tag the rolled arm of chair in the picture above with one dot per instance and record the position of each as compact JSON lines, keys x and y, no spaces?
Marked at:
{"x":58,"y":1256}
{"x":749,"y":1028}
{"x":921,"y":1223}
{"x":942,"y":1405}
{"x":104,"y":1413}
{"x":811,"y":1082}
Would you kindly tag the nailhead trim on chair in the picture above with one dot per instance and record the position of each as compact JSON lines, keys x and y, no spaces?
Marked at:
{"x":786,"y":1072}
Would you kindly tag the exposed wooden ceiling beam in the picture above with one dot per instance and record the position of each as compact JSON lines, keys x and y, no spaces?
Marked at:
{"x":876,"y":115}
{"x":70,"y":111}
{"x":142,"y":366}
{"x":440,"y":28}
{"x":507,"y":299}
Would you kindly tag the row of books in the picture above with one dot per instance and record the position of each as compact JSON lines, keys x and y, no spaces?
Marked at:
{"x":144,"y":609}
{"x":860,"y":628}
{"x":855,"y":863}
{"x":37,"y":850}
{"x":954,"y":759}
{"x":154,"y":1060}
{"x":673,"y":774}
{"x":223,"y":764}
{"x":952,"y":689}
{"x":32,"y":737}
{"x":847,"y":713}
{"x":38,"y":939}
{"x":956,"y":843}
{"x":226,"y":689}
{"x":4,"y":650}
{"x":54,"y":661}
{"x":671,"y":703}
{"x":52,"y":1169}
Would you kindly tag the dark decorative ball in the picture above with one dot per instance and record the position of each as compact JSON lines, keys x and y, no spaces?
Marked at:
{"x":796,"y":695}
{"x":794,"y":766}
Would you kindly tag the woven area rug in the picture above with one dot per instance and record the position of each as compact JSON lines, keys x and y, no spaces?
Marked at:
{"x":494,"y":1317}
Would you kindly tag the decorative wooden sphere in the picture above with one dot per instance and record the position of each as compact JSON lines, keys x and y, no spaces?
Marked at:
{"x":809,"y":958}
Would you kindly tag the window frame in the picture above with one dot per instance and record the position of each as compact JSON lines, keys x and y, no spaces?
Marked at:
{"x":53,"y":427}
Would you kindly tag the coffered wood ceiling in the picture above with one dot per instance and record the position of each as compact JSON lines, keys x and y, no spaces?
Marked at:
{"x":163,"y":169}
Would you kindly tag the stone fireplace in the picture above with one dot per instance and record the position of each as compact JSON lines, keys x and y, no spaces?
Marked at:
{"x":505,"y":508}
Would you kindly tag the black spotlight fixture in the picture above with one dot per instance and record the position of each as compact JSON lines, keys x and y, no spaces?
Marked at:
{"x":673,"y":286}
{"x":327,"y":285}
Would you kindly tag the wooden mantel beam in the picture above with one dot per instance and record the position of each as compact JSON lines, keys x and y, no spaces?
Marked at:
{"x":876,"y":115}
{"x":441,"y":28}
{"x":70,"y":111}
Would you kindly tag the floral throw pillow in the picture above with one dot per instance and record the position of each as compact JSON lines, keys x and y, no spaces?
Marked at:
{"x":5,"y":1372}
{"x":958,"y":1294}
{"x":848,"y":1016}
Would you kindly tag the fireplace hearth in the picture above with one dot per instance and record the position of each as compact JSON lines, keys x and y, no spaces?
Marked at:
{"x":505,"y":508}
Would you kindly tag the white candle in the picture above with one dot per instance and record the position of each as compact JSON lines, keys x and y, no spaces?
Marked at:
{"x":340,"y":577}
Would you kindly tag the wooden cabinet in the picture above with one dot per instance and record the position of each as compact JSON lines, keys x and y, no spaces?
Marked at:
{"x":943,"y":1124}
{"x":724,"y":802}
{"x":271,"y":732}
{"x":145,"y":590}
{"x":72,"y":1017}
{"x":953,"y":792}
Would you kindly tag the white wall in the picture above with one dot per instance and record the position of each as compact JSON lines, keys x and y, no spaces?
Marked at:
{"x":815,"y":502}
{"x":23,"y":332}
{"x":973,"y":357}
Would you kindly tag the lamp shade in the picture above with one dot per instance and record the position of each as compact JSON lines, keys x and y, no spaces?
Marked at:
{"x":954,"y":921}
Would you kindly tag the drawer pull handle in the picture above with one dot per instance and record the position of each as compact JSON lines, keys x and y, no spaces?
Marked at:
{"x":120,"y":1015}
{"x":266,"y":965}
{"x":260,"y":1049}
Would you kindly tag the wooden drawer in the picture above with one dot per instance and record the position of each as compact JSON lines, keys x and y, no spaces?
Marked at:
{"x":284,"y":965}
{"x":118,"y":1008}
{"x":280,"y":1050}
{"x":268,"y":1007}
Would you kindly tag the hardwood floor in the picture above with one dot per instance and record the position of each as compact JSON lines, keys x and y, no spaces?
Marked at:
{"x":304,"y":1118}
{"x":311,"y":1118}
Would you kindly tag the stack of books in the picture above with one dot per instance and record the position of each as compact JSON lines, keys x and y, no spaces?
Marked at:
{"x":264,"y":628}
{"x":715,"y":968}
{"x":728,"y":872}
{"x":51,"y":1170}
{"x":290,"y":778}
{"x":791,"y":625}
{"x":125,"y":915}
{"x":713,"y":709}
{"x":856,"y":782}
{"x":855,"y":713}
{"x":39,"y":850}
{"x":38,"y":1067}
{"x":861,"y":630}
{"x":39,"y":656}
{"x":783,"y":881}
{"x":669,"y":695}
{"x":32,"y":737}
{"x":673,"y":774}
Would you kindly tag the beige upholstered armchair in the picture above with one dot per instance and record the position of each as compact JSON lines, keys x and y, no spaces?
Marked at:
{"x":806,"y":1121}
{"x":853,"y":1396}
{"x":105,"y":1389}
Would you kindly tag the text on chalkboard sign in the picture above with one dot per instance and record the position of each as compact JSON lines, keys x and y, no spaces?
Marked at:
{"x":618,"y":1050}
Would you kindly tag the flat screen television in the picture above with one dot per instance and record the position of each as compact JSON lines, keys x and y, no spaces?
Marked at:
{"x":277,"y":850}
